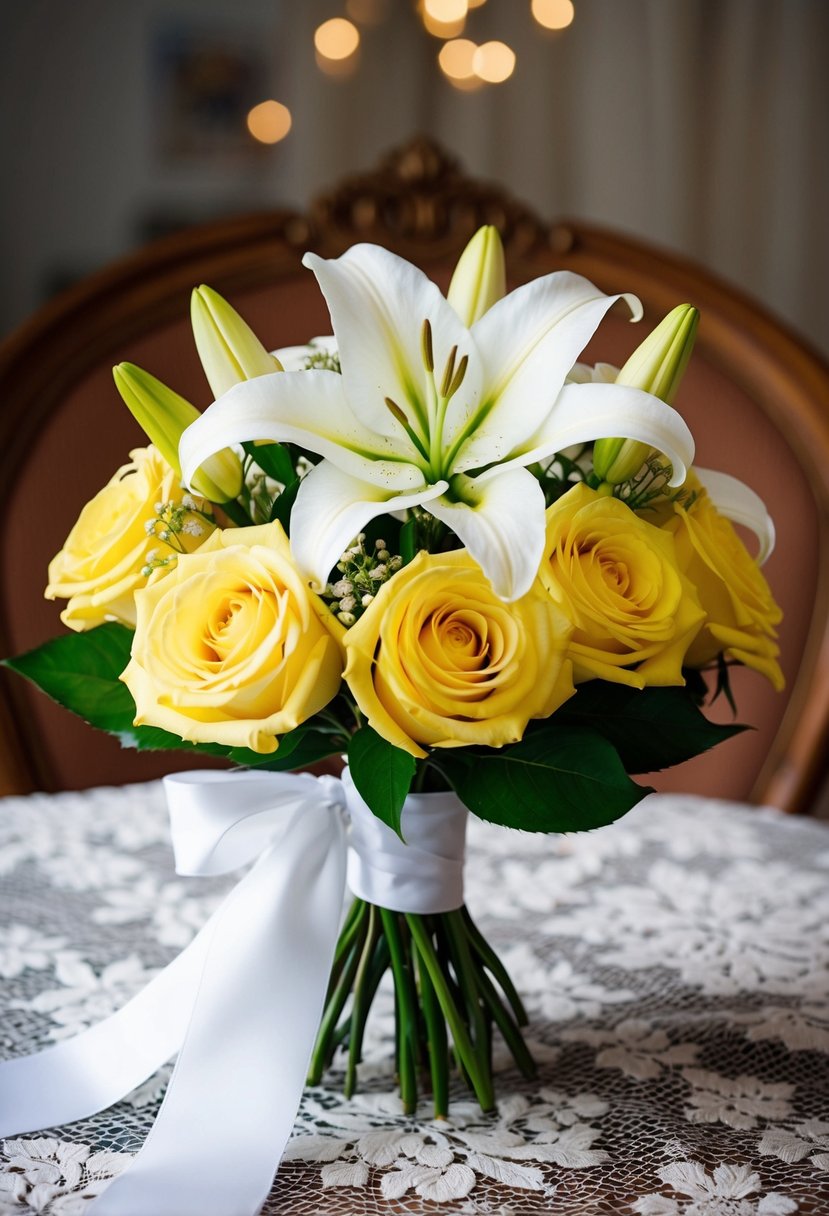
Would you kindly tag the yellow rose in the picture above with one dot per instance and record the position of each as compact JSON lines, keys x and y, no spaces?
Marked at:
{"x":438,"y":660}
{"x":615,"y":576}
{"x":231,"y":647}
{"x":740,"y":611}
{"x":100,"y":566}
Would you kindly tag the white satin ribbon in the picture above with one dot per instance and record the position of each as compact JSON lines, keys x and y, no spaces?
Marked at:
{"x":241,"y":1005}
{"x":424,"y":874}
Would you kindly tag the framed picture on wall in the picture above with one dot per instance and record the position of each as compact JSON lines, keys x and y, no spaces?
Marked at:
{"x":203,"y":83}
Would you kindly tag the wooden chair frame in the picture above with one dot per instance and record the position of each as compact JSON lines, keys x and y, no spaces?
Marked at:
{"x":420,"y":204}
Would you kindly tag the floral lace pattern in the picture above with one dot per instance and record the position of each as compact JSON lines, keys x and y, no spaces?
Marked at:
{"x":675,"y":967}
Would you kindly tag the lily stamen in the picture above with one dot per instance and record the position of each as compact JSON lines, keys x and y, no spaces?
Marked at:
{"x":426,"y":351}
{"x":398,"y":414}
{"x":448,"y":373}
{"x":457,"y":379}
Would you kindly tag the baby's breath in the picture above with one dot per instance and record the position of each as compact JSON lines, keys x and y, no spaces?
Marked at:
{"x":363,"y":572}
{"x":172,"y":521}
{"x":322,"y":360}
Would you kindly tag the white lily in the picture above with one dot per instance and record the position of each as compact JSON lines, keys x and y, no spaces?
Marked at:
{"x":428,"y":412}
{"x":737,"y":502}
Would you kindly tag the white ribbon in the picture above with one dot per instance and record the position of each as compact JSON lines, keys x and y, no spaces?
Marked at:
{"x":424,"y":874}
{"x":241,"y":1005}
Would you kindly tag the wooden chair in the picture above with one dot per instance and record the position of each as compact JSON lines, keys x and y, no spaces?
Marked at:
{"x":755,"y":397}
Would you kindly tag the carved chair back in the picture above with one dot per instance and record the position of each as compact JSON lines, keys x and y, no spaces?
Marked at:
{"x":755,"y":397}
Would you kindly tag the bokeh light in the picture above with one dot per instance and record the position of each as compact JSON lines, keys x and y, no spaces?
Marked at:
{"x":553,"y":14}
{"x":336,"y":39}
{"x":446,"y":11}
{"x":455,"y":59}
{"x":494,"y":62}
{"x":443,"y":26}
{"x":269,"y":122}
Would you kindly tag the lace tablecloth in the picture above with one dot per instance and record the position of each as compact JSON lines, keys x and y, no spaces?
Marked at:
{"x":675,"y":968}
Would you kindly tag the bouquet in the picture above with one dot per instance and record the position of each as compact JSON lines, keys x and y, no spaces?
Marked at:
{"x":439,"y":546}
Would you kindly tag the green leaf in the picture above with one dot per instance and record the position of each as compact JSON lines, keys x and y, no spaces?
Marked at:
{"x":273,"y":459}
{"x":651,"y":728}
{"x":80,"y":671}
{"x":283,"y":505}
{"x":408,"y":540}
{"x":382,"y":774}
{"x":298,"y":749}
{"x":559,"y":780}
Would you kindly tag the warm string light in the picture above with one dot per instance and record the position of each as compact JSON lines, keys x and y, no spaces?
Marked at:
{"x":269,"y":122}
{"x":468,"y":66}
{"x":443,"y":18}
{"x":494,"y":62}
{"x":447,"y":11}
{"x":456,"y":62}
{"x":553,"y":14}
{"x":336,"y":43}
{"x":465,"y":65}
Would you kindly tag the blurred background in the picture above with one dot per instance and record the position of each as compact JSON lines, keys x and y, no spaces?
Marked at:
{"x":698,"y":125}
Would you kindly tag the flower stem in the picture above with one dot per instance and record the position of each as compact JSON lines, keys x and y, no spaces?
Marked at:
{"x":437,"y":1042}
{"x":491,"y":960}
{"x":481,"y":1082}
{"x":406,"y":1008}
{"x":467,"y":975}
{"x":363,"y":995}
{"x":509,"y":1029}
{"x":324,"y":1047}
{"x":447,"y":981}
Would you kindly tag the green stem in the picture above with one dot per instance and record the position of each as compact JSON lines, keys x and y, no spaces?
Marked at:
{"x":351,"y":927}
{"x":467,"y":975}
{"x":481,"y":1083}
{"x":324,"y":1046}
{"x":362,"y":1001}
{"x":437,"y":1041}
{"x":509,"y":1028}
{"x":407,"y":1006}
{"x":485,"y":952}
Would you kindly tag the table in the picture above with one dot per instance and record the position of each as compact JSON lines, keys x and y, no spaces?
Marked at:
{"x":675,"y":967}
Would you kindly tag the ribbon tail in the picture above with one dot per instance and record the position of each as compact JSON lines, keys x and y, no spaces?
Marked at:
{"x":101,"y":1065}
{"x":241,"y":1070}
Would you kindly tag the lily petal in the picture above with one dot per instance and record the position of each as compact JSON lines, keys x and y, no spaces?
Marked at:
{"x":737,"y":502}
{"x":331,"y":508}
{"x":529,"y":342}
{"x":584,"y":412}
{"x":378,"y":303}
{"x":310,"y":409}
{"x":502,"y":525}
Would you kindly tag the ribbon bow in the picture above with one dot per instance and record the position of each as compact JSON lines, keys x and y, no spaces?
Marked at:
{"x":242,"y":1003}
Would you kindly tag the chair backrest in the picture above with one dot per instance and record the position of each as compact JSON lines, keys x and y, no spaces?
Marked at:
{"x":755,"y":397}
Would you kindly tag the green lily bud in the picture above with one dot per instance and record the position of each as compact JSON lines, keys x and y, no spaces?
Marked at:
{"x":163,"y":415}
{"x":228,"y":348}
{"x":480,"y":277}
{"x":657,"y":367}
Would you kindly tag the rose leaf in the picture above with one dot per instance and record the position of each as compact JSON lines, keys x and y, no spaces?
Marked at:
{"x":382,"y":774}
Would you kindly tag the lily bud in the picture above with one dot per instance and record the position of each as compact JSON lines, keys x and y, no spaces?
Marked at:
{"x":228,"y":348}
{"x":480,"y":277}
{"x":163,"y":415}
{"x":657,"y":367}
